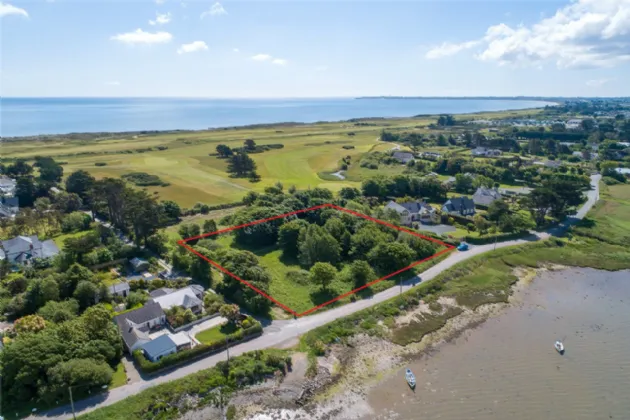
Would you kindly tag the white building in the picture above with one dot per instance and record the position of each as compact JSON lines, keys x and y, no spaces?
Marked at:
{"x":574,"y":124}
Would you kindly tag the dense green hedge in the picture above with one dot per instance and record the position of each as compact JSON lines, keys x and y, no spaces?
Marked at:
{"x":147,"y":366}
{"x":491,"y":238}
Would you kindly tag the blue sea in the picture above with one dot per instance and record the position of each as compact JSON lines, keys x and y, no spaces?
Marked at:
{"x":34,"y":116}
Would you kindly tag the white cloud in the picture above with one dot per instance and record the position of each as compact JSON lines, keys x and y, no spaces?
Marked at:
{"x":597,"y":82}
{"x":141,"y":37}
{"x":161,"y":19}
{"x":447,"y":49}
{"x":261,"y":57}
{"x":216,"y":10}
{"x":8,"y":9}
{"x":235,"y":50}
{"x":192,"y":47}
{"x":321,"y":68}
{"x":584,"y":33}
{"x":279,"y":61}
{"x":160,"y":1}
{"x":113,"y":83}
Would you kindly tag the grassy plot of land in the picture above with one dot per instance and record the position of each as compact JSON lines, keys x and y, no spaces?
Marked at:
{"x":610,"y":218}
{"x":119,"y":378}
{"x":216,"y":333}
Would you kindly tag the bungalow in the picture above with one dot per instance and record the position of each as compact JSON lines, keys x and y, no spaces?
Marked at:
{"x":482,"y":151}
{"x":164,"y":345}
{"x":21,"y":250}
{"x":119,"y":289}
{"x":139,"y":264}
{"x":485,"y":196}
{"x":9,"y":207}
{"x":403,"y":157}
{"x":430,"y":155}
{"x":135,"y":325}
{"x":459,"y":206}
{"x":417,"y":211}
{"x":190,"y":297}
{"x":161,"y":292}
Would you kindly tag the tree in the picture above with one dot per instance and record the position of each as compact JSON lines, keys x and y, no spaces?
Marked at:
{"x":481,"y":224}
{"x":59,"y":312}
{"x":49,"y":170}
{"x":75,"y":274}
{"x":445,"y":120}
{"x":249,"y":144}
{"x":335,"y":227}
{"x":224,"y":151}
{"x":483,"y":181}
{"x":535,"y":147}
{"x":420,"y":246}
{"x":323,"y":274}
{"x":67,"y":203}
{"x":39,"y":292}
{"x":75,"y":222}
{"x":135,"y":299}
{"x":230,"y":312}
{"x":349,"y":193}
{"x":288,"y":237}
{"x":16,"y":285}
{"x":588,"y":124}
{"x":189,"y":230}
{"x":441,"y":140}
{"x":89,"y":373}
{"x":143,"y":214}
{"x":29,"y":324}
{"x":497,"y":209}
{"x":25,"y":191}
{"x":361,"y":273}
{"x":212,"y":302}
{"x":158,"y":243}
{"x":171,"y":209}
{"x":241,"y":165}
{"x":463,"y":183}
{"x":389,"y":257}
{"x":86,"y":294}
{"x":80,"y":183}
{"x":519,"y":221}
{"x":210,"y":226}
{"x":317,"y":245}
{"x":367,"y":238}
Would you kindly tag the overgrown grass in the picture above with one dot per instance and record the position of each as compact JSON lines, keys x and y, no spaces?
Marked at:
{"x":421,"y":325}
{"x":609,"y":221}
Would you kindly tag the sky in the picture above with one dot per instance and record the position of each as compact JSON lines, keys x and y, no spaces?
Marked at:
{"x":266,"y":49}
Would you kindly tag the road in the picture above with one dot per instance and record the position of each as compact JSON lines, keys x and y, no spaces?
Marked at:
{"x":279,"y":332}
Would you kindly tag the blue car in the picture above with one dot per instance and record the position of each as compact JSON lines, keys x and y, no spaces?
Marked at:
{"x":463,"y":247}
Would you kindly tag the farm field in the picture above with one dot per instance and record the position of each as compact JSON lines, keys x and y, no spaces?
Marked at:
{"x":311,"y":152}
{"x":609,"y":220}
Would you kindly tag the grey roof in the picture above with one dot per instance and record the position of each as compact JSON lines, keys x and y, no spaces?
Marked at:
{"x":161,"y":292}
{"x":485,"y":196}
{"x":186,"y":297}
{"x":10,"y":201}
{"x":119,"y":287}
{"x":159,"y":346}
{"x":198,"y":289}
{"x":415,"y":206}
{"x":129,"y":333}
{"x":459,"y":204}
{"x":403,"y":156}
{"x":149,"y":311}
{"x":22,"y":248}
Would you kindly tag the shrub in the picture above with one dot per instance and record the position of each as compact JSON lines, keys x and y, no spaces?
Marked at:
{"x":143,"y":179}
{"x":610,"y":181}
{"x":298,"y":276}
{"x":100,"y":164}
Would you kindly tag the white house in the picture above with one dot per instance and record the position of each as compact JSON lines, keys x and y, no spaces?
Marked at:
{"x":7,"y":186}
{"x":483,"y":151}
{"x":190,"y":297}
{"x":573,"y":124}
{"x":417,"y":211}
{"x":119,"y":289}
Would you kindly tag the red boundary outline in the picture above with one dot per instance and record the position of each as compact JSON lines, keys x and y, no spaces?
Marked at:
{"x":315,"y":308}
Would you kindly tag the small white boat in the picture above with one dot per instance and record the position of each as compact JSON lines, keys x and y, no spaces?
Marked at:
{"x":411,"y":378}
{"x":559,"y":347}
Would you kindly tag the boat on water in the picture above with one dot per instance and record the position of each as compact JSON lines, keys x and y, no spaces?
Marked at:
{"x":559,"y":347}
{"x":411,"y":378}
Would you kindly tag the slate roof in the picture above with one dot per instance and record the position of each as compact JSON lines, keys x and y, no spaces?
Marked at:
{"x":404,"y":157}
{"x":186,"y":298}
{"x":485,"y":196}
{"x":458,"y":204}
{"x":131,"y":334}
{"x":23,"y":248}
{"x":161,"y":292}
{"x":159,"y":346}
{"x":119,"y":287}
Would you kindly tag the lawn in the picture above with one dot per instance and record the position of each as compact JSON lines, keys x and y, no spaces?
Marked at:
{"x":609,"y":220}
{"x":119,"y":378}
{"x":216,"y":333}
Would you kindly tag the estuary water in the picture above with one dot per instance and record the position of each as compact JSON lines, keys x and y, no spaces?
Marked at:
{"x":508,"y":369}
{"x":35,"y":116}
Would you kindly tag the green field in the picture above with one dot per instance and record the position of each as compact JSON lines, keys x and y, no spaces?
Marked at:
{"x":610,"y":218}
{"x":216,"y":333}
{"x":311,"y":151}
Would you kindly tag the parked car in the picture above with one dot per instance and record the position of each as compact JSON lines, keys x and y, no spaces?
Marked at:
{"x":463,"y":247}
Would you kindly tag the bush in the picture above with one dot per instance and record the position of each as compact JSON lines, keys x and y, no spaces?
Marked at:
{"x":491,"y":238}
{"x":100,"y":164}
{"x":298,"y":276}
{"x":347,"y":147}
{"x":143,"y":179}
{"x":610,"y":181}
{"x":75,"y":222}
